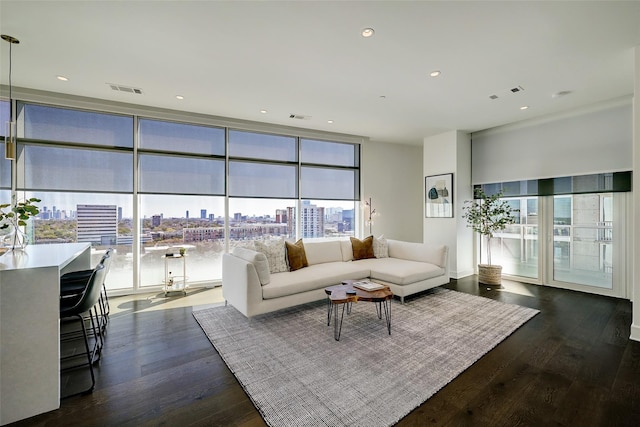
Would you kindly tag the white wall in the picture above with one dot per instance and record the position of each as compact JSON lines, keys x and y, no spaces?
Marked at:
{"x":392,"y":176}
{"x":635,"y":325}
{"x":450,"y":152}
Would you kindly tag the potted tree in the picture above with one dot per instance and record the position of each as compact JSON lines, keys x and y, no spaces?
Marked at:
{"x":488,"y":215}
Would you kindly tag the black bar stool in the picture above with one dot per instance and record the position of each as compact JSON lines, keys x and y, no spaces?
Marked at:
{"x":74,"y":310}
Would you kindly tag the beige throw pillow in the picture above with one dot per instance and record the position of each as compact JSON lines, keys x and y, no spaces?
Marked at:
{"x":380,"y":247}
{"x":274,"y":250}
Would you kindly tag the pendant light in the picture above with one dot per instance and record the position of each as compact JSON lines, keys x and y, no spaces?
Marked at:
{"x":10,"y":136}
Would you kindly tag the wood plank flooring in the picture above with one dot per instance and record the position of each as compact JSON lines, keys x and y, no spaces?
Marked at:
{"x":571,"y":365}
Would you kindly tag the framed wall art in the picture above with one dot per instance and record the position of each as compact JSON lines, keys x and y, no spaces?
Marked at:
{"x":438,"y":196}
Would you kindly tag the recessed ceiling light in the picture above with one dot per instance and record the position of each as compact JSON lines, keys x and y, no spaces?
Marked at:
{"x":367,"y":32}
{"x":524,"y":107}
{"x":329,"y":121}
{"x":561,"y":94}
{"x":179,"y":97}
{"x":264,"y":111}
{"x":62,"y":78}
{"x":434,"y":73}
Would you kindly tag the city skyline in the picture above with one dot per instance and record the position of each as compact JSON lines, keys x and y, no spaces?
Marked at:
{"x":194,"y":204}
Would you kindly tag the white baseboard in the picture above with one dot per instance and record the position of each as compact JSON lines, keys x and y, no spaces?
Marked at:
{"x":459,"y":275}
{"x":635,"y":332}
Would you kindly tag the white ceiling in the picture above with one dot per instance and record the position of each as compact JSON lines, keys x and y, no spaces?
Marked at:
{"x":233,"y":59}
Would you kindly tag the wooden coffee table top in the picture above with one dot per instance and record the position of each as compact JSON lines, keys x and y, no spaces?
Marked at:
{"x":338,"y":293}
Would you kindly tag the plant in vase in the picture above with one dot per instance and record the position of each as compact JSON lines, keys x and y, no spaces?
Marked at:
{"x":16,"y":217}
{"x":488,"y":215}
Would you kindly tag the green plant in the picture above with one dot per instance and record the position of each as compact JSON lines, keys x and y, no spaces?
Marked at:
{"x":17,"y":216}
{"x":487,"y":215}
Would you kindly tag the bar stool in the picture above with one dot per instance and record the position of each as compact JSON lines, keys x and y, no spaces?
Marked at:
{"x":83,"y":310}
{"x":72,"y":284}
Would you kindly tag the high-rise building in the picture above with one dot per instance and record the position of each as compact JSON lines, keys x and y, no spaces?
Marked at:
{"x":97,"y":224}
{"x":203,"y":214}
{"x":281,"y":216}
{"x":311,"y":220}
{"x":156,"y":220}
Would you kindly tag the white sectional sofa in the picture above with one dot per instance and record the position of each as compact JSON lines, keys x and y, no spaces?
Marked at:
{"x":407,"y":268}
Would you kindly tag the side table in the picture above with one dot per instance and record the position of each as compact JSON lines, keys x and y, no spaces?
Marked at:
{"x":172,"y":282}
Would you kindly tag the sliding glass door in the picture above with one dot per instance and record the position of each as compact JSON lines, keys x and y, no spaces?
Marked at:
{"x":572,"y":241}
{"x":516,"y":248}
{"x":588,"y":243}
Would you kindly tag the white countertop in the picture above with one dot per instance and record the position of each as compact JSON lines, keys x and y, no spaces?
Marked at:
{"x":39,"y":256}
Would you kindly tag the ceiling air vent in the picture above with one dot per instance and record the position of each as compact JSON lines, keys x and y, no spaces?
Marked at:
{"x":505,"y":92}
{"x":122,"y":88}
{"x":299,"y":117}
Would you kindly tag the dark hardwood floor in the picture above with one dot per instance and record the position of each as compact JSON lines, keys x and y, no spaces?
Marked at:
{"x":571,"y":365}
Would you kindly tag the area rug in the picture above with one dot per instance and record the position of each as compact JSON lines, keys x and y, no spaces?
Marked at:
{"x":297,"y":374}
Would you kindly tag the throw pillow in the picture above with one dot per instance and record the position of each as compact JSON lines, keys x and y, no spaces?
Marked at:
{"x":296,"y":255}
{"x":275,"y":252}
{"x":362,"y":249}
{"x":380,"y":247}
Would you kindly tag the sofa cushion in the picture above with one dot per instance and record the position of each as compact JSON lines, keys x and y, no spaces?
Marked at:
{"x":434,"y":254}
{"x":380,"y":247}
{"x":258,"y":259}
{"x":296,"y":255}
{"x":362,"y":249}
{"x":401,"y":271}
{"x":321,"y":252}
{"x":275,"y":252}
{"x":314,"y":277}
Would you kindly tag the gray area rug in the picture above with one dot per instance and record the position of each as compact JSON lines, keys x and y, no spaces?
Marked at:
{"x":297,"y":374}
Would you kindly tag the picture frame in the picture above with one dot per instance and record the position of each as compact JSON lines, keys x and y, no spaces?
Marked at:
{"x":438,"y":196}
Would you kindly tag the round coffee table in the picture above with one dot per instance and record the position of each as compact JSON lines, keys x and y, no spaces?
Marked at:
{"x":346,"y":294}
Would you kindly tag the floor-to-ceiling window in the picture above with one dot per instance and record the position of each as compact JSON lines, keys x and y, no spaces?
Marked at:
{"x":146,"y":184}
{"x":574,"y":239}
{"x":181,"y":187}
{"x":516,"y":248}
{"x":5,"y":164}
{"x":583,"y":239}
{"x":79,"y":164}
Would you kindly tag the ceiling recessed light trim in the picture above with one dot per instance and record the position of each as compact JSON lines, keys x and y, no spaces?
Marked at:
{"x":330,"y":121}
{"x":524,"y":107}
{"x":180,"y":97}
{"x":435,"y":73}
{"x":367,"y":32}
{"x":263,"y":111}
{"x":62,"y":78}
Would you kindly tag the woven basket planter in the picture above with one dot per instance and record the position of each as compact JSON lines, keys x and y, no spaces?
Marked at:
{"x":490,"y":274}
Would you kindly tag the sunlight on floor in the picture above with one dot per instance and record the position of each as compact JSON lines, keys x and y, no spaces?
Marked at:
{"x":515,"y":288}
{"x":198,"y":298}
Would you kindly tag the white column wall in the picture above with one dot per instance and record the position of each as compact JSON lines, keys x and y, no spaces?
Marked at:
{"x":450,"y":152}
{"x":635,"y":325}
{"x":391,"y":175}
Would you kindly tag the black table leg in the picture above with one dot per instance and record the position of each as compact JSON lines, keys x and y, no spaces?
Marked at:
{"x":337,"y":328}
